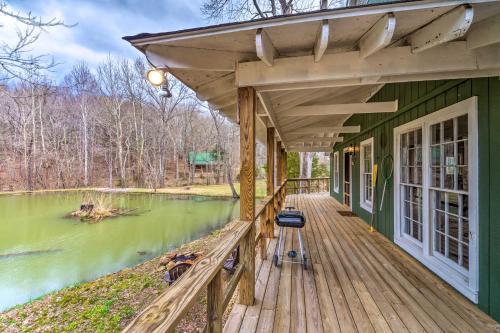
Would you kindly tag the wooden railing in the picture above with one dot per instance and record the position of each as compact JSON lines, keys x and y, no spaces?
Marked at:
{"x":168,"y":309}
{"x":307,"y":185}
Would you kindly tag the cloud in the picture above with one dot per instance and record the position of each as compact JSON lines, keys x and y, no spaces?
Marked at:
{"x":100,"y":26}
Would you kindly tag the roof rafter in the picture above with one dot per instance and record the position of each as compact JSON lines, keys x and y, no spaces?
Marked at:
{"x":216,"y":88}
{"x":268,"y":108}
{"x":484,"y":33}
{"x":310,"y":149}
{"x":334,"y":129}
{"x":334,"y":109}
{"x":177,"y":57}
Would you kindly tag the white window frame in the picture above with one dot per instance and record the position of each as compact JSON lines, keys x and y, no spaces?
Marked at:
{"x":336,"y":172}
{"x":367,"y":205}
{"x":466,"y":282}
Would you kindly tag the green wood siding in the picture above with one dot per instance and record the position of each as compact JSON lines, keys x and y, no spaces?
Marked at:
{"x":417,"y":99}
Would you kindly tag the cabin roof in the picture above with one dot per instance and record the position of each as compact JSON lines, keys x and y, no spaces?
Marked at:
{"x":312,"y":71}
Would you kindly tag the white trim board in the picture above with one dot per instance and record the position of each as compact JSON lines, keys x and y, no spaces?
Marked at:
{"x":466,"y":282}
{"x":368,"y":206}
{"x":336,"y":169}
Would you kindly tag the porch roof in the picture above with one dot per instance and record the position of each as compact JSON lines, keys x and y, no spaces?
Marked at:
{"x":313,"y":71}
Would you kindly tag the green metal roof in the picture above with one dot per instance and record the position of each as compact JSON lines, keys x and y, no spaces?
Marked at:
{"x":204,"y":158}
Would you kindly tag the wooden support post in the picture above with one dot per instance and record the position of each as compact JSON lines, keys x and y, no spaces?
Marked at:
{"x":270,"y":182}
{"x":246,"y":107}
{"x":279,"y":171}
{"x":283,"y":175}
{"x":214,"y":304}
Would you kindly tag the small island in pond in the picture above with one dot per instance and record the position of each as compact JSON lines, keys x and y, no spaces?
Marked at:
{"x":97,"y":207}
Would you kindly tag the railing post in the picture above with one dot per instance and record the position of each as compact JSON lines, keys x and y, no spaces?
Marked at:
{"x":263,"y":235}
{"x":246,"y":109}
{"x":283,"y":175}
{"x":214,"y":304}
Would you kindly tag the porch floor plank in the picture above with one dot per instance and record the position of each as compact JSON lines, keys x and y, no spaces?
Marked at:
{"x":356,"y":281}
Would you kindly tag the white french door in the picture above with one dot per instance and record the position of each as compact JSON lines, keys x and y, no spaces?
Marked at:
{"x":436,"y":193}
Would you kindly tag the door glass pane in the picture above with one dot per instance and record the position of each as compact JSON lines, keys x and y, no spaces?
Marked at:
{"x":449,"y":178}
{"x":463,"y":130}
{"x":436,"y":134}
{"x":411,"y":176}
{"x":448,"y":130}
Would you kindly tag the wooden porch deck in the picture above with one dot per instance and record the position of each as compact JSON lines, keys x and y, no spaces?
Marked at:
{"x":358,"y":281}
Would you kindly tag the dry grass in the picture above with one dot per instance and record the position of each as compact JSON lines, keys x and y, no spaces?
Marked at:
{"x":206,"y":190}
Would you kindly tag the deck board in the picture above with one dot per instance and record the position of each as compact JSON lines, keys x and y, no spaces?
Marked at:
{"x":357,"y":281}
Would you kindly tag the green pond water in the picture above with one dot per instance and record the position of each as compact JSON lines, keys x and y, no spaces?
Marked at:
{"x":42,"y":250}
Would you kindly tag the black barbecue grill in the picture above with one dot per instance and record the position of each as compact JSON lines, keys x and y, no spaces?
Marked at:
{"x":290,"y":218}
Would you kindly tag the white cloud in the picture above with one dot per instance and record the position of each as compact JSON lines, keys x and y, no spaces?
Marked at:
{"x":100,"y":26}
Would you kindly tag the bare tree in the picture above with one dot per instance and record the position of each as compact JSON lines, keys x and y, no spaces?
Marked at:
{"x":83,"y":87}
{"x":15,"y":57}
{"x":223,"y":142}
{"x":221,"y":10}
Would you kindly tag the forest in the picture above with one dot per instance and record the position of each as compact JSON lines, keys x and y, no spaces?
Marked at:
{"x":107,"y":127}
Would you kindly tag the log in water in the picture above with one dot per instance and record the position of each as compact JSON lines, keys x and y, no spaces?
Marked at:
{"x":28,"y":253}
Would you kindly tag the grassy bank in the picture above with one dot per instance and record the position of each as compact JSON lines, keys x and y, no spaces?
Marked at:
{"x":206,"y":190}
{"x":107,"y":304}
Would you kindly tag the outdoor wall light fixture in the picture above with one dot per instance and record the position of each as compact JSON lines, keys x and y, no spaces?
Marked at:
{"x":157,"y":77}
{"x":352,"y":152}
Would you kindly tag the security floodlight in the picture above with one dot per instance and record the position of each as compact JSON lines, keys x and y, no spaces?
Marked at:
{"x":156,"y":77}
{"x":165,"y":91}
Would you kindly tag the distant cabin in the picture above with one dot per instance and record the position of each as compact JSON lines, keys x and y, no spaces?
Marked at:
{"x":207,"y":169}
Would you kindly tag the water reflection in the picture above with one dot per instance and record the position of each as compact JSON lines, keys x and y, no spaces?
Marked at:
{"x":72,"y":251}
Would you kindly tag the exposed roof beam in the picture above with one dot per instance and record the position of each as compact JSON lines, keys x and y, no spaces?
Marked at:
{"x":314,"y":141}
{"x":264,"y":47}
{"x":445,"y":28}
{"x":484,"y":33}
{"x":450,"y":57}
{"x":310,"y":149}
{"x":191,"y":58}
{"x":310,"y":85}
{"x":378,"y":37}
{"x":333,"y":129}
{"x":322,"y":40}
{"x":289,"y":124}
{"x":216,"y":88}
{"x":268,"y":107}
{"x":333,"y":109}
{"x":298,"y":98}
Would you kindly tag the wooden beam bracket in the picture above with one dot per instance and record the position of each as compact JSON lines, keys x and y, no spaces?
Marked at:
{"x":445,"y":28}
{"x":322,"y":40}
{"x":264,"y":47}
{"x":378,"y":37}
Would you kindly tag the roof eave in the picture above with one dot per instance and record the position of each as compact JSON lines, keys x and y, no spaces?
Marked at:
{"x":369,"y":9}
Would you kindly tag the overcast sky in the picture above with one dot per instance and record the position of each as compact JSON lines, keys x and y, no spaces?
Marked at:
{"x":101,"y":24}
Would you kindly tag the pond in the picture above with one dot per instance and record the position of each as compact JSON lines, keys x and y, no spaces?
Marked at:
{"x":42,"y":250}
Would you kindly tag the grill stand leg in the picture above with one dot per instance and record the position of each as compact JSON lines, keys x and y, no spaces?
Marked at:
{"x":302,"y":251}
{"x":277,"y":254}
